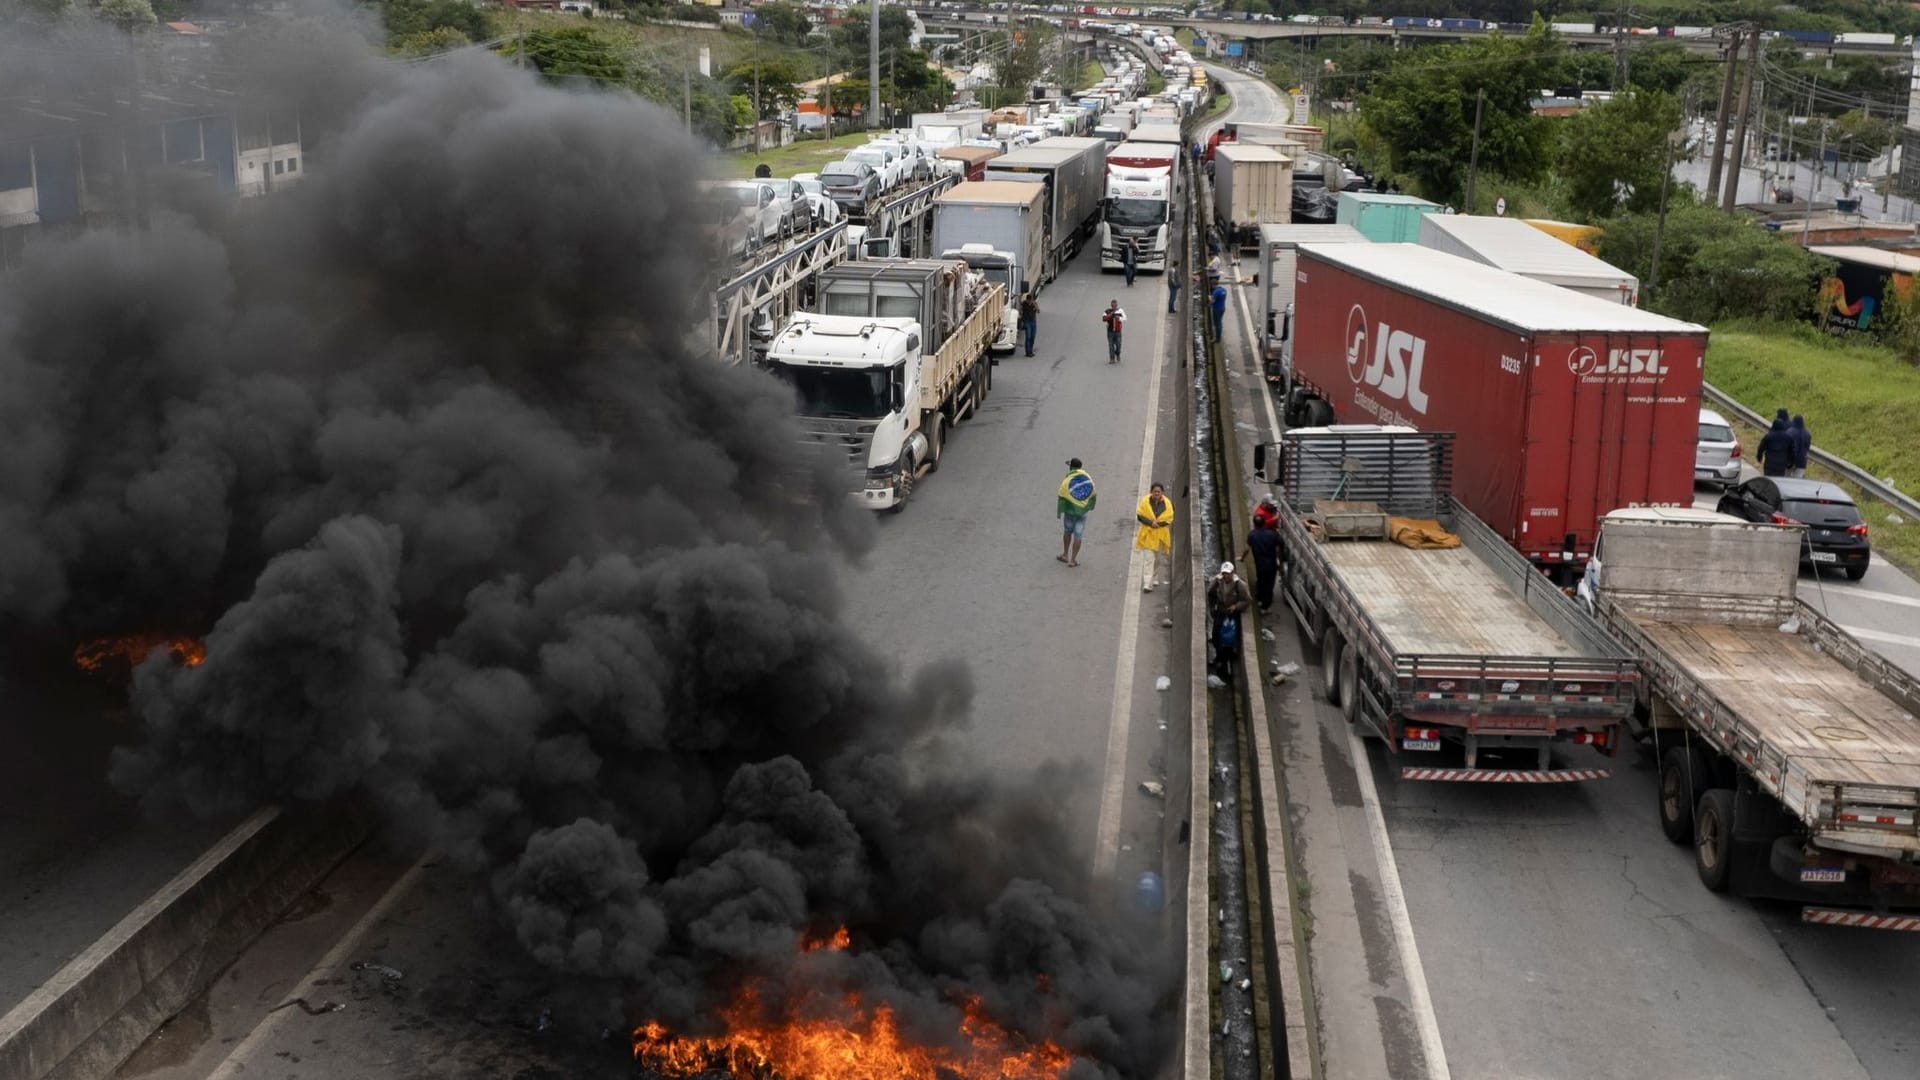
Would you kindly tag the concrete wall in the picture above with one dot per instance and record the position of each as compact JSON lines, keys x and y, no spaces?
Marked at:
{"x":104,"y":1003}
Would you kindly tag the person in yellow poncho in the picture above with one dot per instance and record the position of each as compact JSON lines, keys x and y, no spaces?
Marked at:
{"x":1155,"y":533}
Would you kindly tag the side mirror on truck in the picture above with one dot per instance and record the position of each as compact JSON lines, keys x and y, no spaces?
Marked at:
{"x":1262,"y":454}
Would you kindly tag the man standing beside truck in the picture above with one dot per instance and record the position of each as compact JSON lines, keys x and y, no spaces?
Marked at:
{"x":1077,"y":498}
{"x":1029,"y":319}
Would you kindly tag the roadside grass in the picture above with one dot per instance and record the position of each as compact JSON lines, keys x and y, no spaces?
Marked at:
{"x":806,"y":155}
{"x":1860,"y":401}
{"x":1090,"y":75}
{"x":1220,"y":104}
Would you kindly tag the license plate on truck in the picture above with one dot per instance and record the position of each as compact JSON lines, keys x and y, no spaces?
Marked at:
{"x":1419,"y":744}
{"x":1822,"y":875}
{"x":1825,"y":556}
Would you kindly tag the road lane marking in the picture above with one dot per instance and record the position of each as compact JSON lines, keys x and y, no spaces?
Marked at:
{"x":1421,"y":1006}
{"x":1883,"y":637}
{"x":1106,"y":842}
{"x":236,"y":1063}
{"x":1426,"y":1022}
{"x":1853,"y":591}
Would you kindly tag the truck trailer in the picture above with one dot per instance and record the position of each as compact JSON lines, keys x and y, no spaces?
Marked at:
{"x":1278,"y":246}
{"x":1566,"y":406}
{"x":1789,"y":752}
{"x":1252,"y":186}
{"x":896,"y":355}
{"x":999,"y":229}
{"x":1434,"y":634}
{"x":1073,"y":174}
{"x":1515,"y":246}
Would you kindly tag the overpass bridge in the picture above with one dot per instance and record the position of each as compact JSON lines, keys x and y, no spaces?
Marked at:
{"x":1254,"y":31}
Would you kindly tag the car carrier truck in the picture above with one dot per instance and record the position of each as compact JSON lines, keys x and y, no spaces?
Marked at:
{"x":1564,"y":406}
{"x":1789,"y":753}
{"x":1434,"y":634}
{"x":896,"y":355}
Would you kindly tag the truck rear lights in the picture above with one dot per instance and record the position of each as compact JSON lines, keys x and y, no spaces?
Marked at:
{"x":1420,"y":733}
{"x":1857,"y":530}
{"x":1779,"y":518}
{"x":1893,"y":819}
{"x":1589,"y":738}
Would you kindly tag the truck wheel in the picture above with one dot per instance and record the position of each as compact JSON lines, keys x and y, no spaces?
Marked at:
{"x":902,"y":484}
{"x":1713,"y":839}
{"x":1683,"y":779}
{"x":1350,"y":684}
{"x":1330,"y":663}
{"x":1319,"y":413}
{"x":936,"y":438}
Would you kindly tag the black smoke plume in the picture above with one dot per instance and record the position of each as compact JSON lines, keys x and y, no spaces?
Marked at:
{"x":432,"y":449}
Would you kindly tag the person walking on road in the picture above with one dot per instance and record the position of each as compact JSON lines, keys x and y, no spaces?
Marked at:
{"x":1077,"y":497}
{"x":1155,"y":532}
{"x":1219,"y":298}
{"x":1173,"y":286}
{"x":1115,"y":319}
{"x":1130,"y":259}
{"x":1263,"y":544}
{"x":1776,"y":448}
{"x":1227,"y":597}
{"x":1029,"y":319}
{"x":1802,"y":444}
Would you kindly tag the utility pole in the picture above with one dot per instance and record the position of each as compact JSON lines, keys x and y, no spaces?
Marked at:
{"x":1473,"y":160}
{"x":1660,"y":220}
{"x":873,"y":63}
{"x":1720,"y":125}
{"x":1740,"y":128}
{"x":1620,"y":48}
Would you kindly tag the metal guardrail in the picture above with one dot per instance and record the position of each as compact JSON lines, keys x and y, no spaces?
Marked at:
{"x":1867,"y":482}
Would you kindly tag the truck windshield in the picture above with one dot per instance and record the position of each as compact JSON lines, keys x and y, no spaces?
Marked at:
{"x":840,"y":393}
{"x":1137,"y":213}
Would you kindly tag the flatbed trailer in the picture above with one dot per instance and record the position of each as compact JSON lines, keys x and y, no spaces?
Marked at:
{"x":1450,"y":655}
{"x":1789,"y":752}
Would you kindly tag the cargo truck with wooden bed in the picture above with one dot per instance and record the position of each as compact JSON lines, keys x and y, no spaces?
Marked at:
{"x":1789,"y":753}
{"x":1434,"y":633}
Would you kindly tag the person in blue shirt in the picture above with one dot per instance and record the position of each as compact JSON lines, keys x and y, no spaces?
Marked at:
{"x":1219,"y":310}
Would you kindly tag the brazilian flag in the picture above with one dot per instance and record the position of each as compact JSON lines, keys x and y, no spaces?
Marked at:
{"x":1076,"y":493}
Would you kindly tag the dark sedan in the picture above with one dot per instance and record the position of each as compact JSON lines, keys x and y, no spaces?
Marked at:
{"x":852,"y":184}
{"x":1836,"y":534}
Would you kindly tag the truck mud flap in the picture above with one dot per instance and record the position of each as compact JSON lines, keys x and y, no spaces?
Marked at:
{"x":1865,"y":920}
{"x":1505,"y":776}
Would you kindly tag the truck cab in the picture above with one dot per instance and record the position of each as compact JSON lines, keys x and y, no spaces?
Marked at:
{"x":1139,"y":207}
{"x":854,"y":377}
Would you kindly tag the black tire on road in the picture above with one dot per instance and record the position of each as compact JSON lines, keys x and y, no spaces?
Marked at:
{"x":1350,"y":683}
{"x":1713,"y":839}
{"x":1855,"y":573}
{"x":1683,"y":779}
{"x":1330,"y":663}
{"x":936,"y":440}
{"x":1319,"y":413}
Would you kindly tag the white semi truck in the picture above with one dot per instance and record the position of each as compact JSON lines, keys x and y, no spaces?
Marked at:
{"x":1141,"y":189}
{"x":896,"y":355}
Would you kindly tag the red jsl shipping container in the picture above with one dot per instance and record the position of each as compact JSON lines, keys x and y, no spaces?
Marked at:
{"x":1564,"y":407}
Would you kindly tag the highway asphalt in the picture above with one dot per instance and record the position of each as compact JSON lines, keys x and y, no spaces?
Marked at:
{"x":1559,"y":934}
{"x":966,"y":571}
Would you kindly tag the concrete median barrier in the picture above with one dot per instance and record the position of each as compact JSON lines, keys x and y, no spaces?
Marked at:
{"x":94,"y":1012}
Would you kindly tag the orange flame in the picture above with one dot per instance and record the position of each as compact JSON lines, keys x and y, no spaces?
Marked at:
{"x":834,"y":942}
{"x":93,"y":656}
{"x":811,"y":1040}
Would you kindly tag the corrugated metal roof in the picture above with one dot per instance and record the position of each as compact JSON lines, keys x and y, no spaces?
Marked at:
{"x":1512,"y":244}
{"x":1521,"y":304}
{"x":1885,"y":260}
{"x":1294,"y":235}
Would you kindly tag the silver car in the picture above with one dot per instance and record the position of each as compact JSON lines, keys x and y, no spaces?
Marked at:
{"x":1716,"y":459}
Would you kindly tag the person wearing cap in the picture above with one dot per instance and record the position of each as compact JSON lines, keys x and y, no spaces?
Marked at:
{"x":1155,"y":532}
{"x":1227,"y":597}
{"x":1077,"y":497}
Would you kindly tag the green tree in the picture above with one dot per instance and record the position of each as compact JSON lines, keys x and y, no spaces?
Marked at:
{"x":408,"y":18}
{"x":127,"y":14}
{"x":427,"y":42}
{"x":781,"y":21}
{"x":1028,"y":52}
{"x":569,"y":54}
{"x":1613,"y":154}
{"x":850,"y":37}
{"x":1715,"y":265}
{"x":1423,"y":107}
{"x":780,"y":79}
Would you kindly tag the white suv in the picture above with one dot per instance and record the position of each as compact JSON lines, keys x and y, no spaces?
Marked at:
{"x":884,"y":159}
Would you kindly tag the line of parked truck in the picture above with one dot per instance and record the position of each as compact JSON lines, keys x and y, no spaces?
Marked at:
{"x":1488,"y":531}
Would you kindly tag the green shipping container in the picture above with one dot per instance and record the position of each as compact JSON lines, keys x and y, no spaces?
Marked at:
{"x":1383,"y":218}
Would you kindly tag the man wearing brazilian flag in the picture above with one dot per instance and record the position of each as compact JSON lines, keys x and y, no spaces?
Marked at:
{"x":1076,"y":498}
